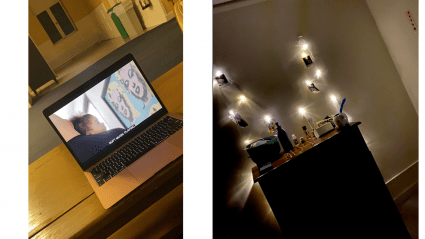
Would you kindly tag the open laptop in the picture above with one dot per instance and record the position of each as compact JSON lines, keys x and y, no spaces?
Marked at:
{"x":117,"y":129}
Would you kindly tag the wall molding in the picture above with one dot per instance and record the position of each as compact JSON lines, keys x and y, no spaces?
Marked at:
{"x":403,"y":184}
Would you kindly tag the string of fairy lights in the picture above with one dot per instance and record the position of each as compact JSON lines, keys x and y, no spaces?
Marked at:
{"x":307,"y":58}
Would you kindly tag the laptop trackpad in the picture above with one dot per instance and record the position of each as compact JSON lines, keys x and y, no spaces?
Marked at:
{"x":176,"y":139}
{"x":154,"y":160}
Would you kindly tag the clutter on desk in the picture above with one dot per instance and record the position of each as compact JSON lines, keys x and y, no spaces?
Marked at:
{"x":264,"y":150}
{"x":271,"y":127}
{"x":309,"y":137}
{"x":309,"y":119}
{"x":302,"y":140}
{"x":322,"y":130}
{"x":323,"y":127}
{"x":283,"y":139}
{"x":307,"y":134}
{"x":257,"y":144}
{"x":294,"y":138}
{"x":341,"y":120}
{"x":328,"y":119}
{"x":265,"y":168}
{"x":342,"y":105}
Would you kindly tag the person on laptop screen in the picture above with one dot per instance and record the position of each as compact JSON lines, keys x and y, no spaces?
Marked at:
{"x":85,"y":135}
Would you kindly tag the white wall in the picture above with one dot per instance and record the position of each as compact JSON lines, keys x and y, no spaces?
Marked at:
{"x":74,"y":108}
{"x":400,"y":39}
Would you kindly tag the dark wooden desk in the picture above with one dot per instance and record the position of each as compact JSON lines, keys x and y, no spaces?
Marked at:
{"x":332,"y":190}
{"x":62,"y":203}
{"x":285,"y":157}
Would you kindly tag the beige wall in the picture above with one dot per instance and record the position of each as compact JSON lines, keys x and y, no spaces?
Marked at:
{"x":78,"y":9}
{"x":106,"y":4}
{"x":400,"y":39}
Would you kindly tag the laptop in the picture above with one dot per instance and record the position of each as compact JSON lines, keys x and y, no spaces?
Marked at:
{"x":117,"y":129}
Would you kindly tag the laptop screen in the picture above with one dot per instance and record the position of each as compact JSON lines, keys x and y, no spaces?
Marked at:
{"x":103,"y":114}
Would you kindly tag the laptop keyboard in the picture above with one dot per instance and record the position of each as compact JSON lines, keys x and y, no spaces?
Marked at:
{"x":135,"y":149}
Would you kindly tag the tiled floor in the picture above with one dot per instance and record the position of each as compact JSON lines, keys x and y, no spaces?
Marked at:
{"x":81,"y":62}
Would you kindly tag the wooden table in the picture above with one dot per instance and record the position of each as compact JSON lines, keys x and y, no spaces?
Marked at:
{"x":62,"y":203}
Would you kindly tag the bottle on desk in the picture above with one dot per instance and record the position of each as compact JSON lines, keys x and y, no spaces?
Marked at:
{"x":283,"y":139}
{"x":294,"y":138}
{"x":307,"y":134}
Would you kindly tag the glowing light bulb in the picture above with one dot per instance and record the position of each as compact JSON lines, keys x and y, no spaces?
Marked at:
{"x":232,"y":113}
{"x":218,"y":73}
{"x":304,"y":55}
{"x":308,"y":82}
{"x":242,"y":97}
{"x":247,"y":141}
{"x":333,"y":98}
{"x":305,"y":46}
{"x":318,"y":73}
{"x":267,"y":118}
{"x":302,"y":111}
